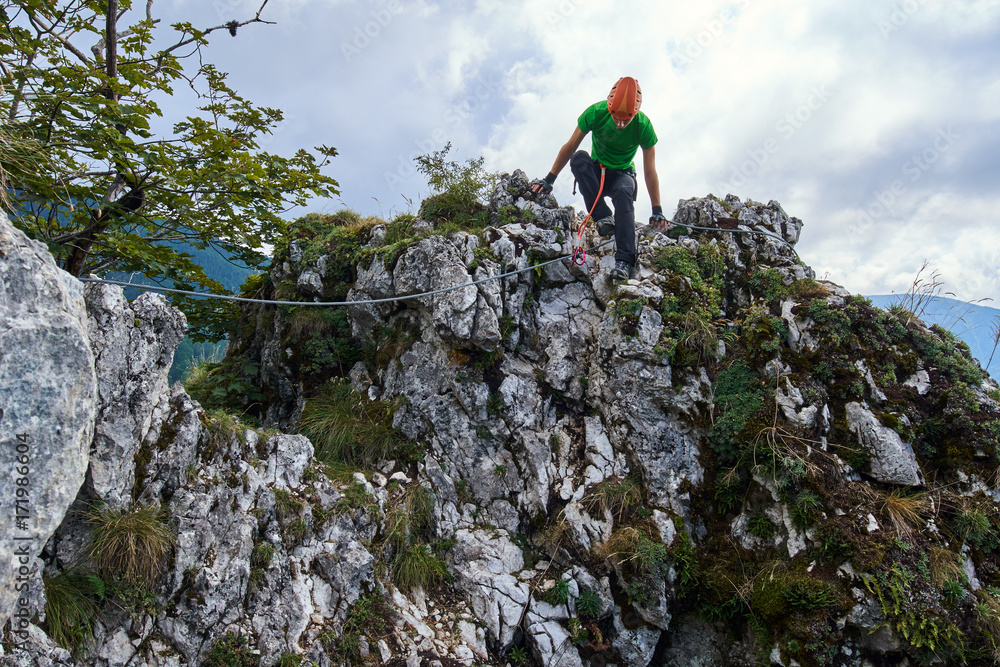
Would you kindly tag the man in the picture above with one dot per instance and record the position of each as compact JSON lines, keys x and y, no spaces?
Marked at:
{"x":619,"y":130}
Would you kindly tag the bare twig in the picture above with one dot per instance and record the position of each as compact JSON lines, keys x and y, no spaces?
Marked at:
{"x":995,"y":335}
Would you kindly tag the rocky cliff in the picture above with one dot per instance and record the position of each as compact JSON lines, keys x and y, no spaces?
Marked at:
{"x":721,"y":461}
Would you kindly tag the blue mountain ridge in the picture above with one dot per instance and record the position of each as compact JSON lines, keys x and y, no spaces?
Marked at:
{"x":218,"y":266}
{"x":972,"y":323}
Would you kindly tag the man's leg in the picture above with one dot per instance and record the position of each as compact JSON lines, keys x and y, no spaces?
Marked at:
{"x":587,"y":172}
{"x":623,"y":198}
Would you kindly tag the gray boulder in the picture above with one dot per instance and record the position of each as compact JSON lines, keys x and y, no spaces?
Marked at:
{"x":48,"y":399}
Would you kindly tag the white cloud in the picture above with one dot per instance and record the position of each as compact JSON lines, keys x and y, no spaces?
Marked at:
{"x":821,"y":106}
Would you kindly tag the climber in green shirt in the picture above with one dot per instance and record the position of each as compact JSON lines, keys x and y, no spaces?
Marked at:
{"x":619,"y":130}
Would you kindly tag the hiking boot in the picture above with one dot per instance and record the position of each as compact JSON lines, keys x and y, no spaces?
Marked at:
{"x":606,"y":227}
{"x":621,"y":272}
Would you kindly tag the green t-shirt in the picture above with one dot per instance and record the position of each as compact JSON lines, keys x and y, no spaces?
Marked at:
{"x":615,"y":148}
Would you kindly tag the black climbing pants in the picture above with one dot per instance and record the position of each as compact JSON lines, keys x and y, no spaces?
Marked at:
{"x":621,"y":187}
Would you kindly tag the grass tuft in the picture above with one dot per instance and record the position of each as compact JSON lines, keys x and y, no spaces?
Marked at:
{"x":416,"y":566}
{"x":131,"y":544}
{"x":905,"y":510}
{"x":71,"y":607}
{"x":615,"y":496}
{"x":345,"y":427}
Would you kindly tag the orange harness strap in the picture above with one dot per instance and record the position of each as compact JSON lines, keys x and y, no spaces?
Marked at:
{"x":579,"y":252}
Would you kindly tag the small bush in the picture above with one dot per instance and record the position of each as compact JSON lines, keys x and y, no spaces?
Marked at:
{"x":286,"y":506}
{"x":589,"y":604}
{"x":231,"y":650}
{"x":807,"y":288}
{"x":365,"y":617}
{"x":129,"y":545}
{"x":411,"y":518}
{"x":805,"y":509}
{"x":262,"y":554}
{"x":355,"y":497}
{"x":769,"y":284}
{"x":972,"y":525}
{"x":222,"y":428}
{"x":289,"y":660}
{"x":558,"y":594}
{"x":759,"y":525}
{"x":615,"y":496}
{"x":461,"y":191}
{"x":739,"y":396}
{"x":518,"y":655}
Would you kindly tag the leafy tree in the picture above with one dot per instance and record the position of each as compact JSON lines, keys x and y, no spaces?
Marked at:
{"x":89,"y":177}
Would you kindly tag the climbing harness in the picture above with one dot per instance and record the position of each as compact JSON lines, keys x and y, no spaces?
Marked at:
{"x":579,"y":253}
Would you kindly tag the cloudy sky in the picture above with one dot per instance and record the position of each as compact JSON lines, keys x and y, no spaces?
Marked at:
{"x":877,"y":122}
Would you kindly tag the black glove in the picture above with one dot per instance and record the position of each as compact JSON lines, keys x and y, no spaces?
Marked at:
{"x":658,"y":219}
{"x":543,"y":186}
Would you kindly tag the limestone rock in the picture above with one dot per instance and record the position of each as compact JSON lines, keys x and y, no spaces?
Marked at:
{"x":893,"y":460}
{"x":133,"y":345}
{"x":48,"y":400}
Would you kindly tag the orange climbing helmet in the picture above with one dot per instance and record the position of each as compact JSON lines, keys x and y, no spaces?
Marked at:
{"x":625,"y":99}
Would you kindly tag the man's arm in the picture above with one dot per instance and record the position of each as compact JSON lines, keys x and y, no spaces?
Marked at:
{"x":565,"y":153}
{"x":653,"y":186}
{"x":649,"y":173}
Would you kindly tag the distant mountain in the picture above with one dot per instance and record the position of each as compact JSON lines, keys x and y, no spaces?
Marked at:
{"x":218,"y":266}
{"x":974,"y":324}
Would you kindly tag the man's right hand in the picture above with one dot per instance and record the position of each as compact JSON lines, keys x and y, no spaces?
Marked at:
{"x":658,"y":219}
{"x":543,"y":186}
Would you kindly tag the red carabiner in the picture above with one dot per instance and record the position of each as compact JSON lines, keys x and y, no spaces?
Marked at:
{"x":579,"y":252}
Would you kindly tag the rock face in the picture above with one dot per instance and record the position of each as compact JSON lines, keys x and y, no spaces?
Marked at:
{"x":133,"y":347}
{"x":48,"y":400}
{"x":722,"y":461}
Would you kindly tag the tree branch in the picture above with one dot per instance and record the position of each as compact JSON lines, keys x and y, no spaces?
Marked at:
{"x":41,"y":26}
{"x":111,"y":39}
{"x":231,"y":26}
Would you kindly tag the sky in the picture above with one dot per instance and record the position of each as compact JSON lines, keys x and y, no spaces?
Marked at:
{"x":876,"y":122}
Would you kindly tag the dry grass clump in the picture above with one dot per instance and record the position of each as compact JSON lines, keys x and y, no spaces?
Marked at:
{"x":130,"y":544}
{"x":631,"y":545}
{"x":906,"y":512}
{"x":944,"y":567}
